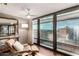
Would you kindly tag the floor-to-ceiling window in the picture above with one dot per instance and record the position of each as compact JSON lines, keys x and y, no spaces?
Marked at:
{"x":46,"y":31}
{"x":35,"y":30}
{"x":68,"y":32}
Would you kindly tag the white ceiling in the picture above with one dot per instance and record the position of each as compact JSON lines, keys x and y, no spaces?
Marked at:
{"x":37,"y":9}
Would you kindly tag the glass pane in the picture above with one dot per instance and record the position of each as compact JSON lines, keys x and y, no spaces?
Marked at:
{"x":68,"y":34}
{"x":11,"y":30}
{"x":46,"y":32}
{"x":3,"y":30}
{"x":34,"y":26}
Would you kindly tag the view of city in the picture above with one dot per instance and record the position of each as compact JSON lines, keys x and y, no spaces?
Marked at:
{"x":67,"y":34}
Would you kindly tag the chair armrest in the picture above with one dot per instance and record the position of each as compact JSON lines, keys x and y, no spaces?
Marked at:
{"x":27,"y":48}
{"x":22,"y":51}
{"x":25,"y":44}
{"x":34,"y":48}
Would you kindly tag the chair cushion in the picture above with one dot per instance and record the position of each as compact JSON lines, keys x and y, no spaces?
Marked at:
{"x":18,"y":46}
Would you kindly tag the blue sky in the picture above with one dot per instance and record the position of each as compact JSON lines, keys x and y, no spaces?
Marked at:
{"x":69,"y":23}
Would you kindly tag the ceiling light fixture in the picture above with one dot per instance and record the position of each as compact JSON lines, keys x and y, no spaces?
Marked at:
{"x":28,"y":16}
{"x":3,"y":4}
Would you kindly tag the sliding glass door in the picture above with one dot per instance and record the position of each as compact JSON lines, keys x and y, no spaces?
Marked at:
{"x":68,"y":32}
{"x":46,"y":31}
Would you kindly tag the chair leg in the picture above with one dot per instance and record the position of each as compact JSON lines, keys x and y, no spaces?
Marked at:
{"x":33,"y":53}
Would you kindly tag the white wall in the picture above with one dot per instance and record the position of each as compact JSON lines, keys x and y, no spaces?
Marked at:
{"x":23,"y":33}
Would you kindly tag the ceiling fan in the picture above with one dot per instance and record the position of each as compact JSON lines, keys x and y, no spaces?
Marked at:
{"x":28,"y":15}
